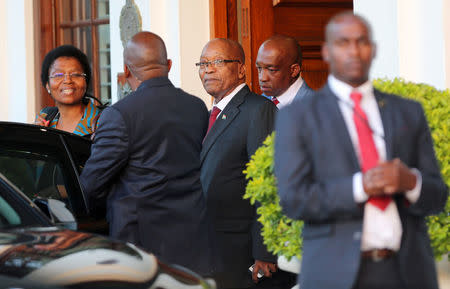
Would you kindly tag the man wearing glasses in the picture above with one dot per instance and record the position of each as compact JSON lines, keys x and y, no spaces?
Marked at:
{"x":239,"y":122}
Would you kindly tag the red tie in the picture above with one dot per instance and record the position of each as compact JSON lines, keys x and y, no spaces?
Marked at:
{"x":367,"y":148}
{"x":212,"y":118}
{"x":275,"y":100}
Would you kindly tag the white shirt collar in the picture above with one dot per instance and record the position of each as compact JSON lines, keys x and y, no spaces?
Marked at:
{"x":288,"y":96}
{"x":224,"y":101}
{"x":343,"y":90}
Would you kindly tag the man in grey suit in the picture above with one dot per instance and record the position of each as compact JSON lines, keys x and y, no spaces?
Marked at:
{"x":358,"y":166}
{"x":279,"y":63}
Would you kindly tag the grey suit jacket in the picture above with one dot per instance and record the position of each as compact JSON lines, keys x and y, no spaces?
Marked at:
{"x":315,"y":163}
{"x":304,"y":91}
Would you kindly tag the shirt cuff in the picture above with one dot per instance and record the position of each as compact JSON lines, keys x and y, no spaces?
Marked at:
{"x":414,"y":194}
{"x":358,"y":189}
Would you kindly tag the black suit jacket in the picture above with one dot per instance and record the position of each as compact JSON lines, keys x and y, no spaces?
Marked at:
{"x":146,"y":156}
{"x":315,"y":163}
{"x":237,"y":133}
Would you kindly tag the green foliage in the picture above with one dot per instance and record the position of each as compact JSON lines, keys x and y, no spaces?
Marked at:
{"x":283,"y":235}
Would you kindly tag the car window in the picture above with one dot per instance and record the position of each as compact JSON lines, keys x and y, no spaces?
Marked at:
{"x":16,"y":211}
{"x":8,"y":216}
{"x":36,"y":175}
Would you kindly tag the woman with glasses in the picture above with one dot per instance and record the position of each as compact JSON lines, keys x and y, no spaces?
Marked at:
{"x":66,"y":74}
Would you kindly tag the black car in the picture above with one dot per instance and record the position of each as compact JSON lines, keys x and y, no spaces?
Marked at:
{"x":39,"y":191}
{"x":45,"y":163}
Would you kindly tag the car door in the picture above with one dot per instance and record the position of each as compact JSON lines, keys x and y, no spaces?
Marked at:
{"x":45,"y":163}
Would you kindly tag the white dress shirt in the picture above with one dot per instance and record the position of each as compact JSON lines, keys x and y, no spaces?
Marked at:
{"x":224,"y":101}
{"x":288,"y":96}
{"x":381,"y":228}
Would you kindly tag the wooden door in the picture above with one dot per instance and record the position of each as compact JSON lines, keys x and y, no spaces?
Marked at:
{"x":252,"y":21}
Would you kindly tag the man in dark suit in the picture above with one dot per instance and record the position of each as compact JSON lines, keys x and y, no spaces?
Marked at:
{"x":279,"y":63}
{"x":239,"y":122}
{"x":146,"y":157}
{"x":358,"y":167}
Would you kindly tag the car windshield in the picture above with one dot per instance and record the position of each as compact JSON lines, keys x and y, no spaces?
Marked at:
{"x":35,"y":174}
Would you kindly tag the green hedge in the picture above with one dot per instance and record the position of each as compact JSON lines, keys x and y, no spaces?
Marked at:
{"x":282,"y":235}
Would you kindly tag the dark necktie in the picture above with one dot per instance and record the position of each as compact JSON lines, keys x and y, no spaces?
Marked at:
{"x":367,"y":148}
{"x":213,"y":116}
{"x":275,"y":100}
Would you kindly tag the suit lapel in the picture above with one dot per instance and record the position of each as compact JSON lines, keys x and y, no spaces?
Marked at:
{"x":225,"y":118}
{"x":332,"y":110}
{"x":386,"y":114}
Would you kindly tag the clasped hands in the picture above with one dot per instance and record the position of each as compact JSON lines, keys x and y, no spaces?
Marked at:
{"x":388,"y":178}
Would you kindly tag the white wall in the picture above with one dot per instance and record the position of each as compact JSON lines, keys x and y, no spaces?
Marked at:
{"x":384,"y":34}
{"x":410,"y":38}
{"x":194,"y":34}
{"x":445,"y":15}
{"x":184,"y":27}
{"x":421,"y":41}
{"x":17,"y":58}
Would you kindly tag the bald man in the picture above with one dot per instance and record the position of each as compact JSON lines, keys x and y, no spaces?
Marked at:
{"x":279,"y":63}
{"x":240,"y":121}
{"x":358,"y":167}
{"x":146,"y":159}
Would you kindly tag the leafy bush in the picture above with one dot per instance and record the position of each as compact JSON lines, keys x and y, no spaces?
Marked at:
{"x":282,"y":235}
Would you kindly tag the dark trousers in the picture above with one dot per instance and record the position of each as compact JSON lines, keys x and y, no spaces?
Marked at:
{"x":279,"y":280}
{"x":381,"y":274}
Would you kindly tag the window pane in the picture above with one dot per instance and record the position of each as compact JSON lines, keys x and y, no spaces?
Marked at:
{"x":103,"y":9}
{"x":84,"y":9}
{"x":35,"y":175}
{"x":67,"y":10}
{"x":104,"y":63}
{"x":75,"y":10}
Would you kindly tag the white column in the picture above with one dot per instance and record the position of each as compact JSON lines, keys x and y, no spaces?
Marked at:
{"x":17,"y":55}
{"x":115,"y":7}
{"x":384,"y":32}
{"x":413,"y":38}
{"x":116,"y":47}
{"x":4,"y":69}
{"x":421,"y":41}
{"x":184,"y":27}
{"x":194,"y":34}
{"x":165,"y":21}
{"x":445,"y":15}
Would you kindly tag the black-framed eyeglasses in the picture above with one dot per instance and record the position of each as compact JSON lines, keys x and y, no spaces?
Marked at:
{"x":215,"y":63}
{"x":72,"y":75}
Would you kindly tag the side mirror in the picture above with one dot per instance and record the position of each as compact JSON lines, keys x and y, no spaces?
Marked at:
{"x":58,"y":213}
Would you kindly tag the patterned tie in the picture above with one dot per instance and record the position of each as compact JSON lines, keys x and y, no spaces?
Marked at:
{"x":367,"y":148}
{"x":212,"y":118}
{"x":275,"y":100}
